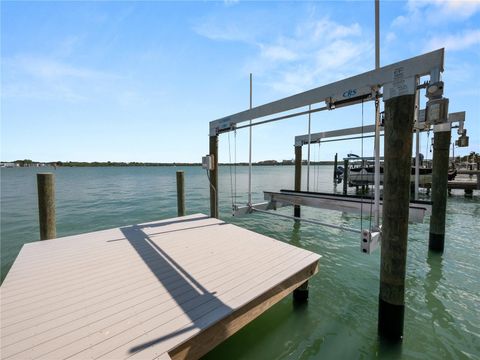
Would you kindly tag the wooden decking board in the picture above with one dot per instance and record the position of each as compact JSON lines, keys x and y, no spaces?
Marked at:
{"x":115,"y":274}
{"x":153,"y":284}
{"x":99,"y":327}
{"x":195,"y":347}
{"x":43,"y":321}
{"x":85,"y":295}
{"x":78,"y":252}
{"x":175,"y":318}
{"x":139,"y":290}
{"x":87,"y":261}
{"x":235,"y":297}
{"x":125,"y":268}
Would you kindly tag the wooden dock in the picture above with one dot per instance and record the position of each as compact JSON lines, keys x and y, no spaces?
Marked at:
{"x":174,"y":288}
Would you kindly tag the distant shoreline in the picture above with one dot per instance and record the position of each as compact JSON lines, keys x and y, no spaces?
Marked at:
{"x":138,"y":164}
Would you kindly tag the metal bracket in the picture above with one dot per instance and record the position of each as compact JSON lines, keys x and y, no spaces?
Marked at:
{"x":370,"y":240}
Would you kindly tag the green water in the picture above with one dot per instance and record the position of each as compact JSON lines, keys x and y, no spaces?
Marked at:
{"x":442,"y":319}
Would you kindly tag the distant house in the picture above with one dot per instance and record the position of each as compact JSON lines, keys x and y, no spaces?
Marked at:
{"x":8,"y":165}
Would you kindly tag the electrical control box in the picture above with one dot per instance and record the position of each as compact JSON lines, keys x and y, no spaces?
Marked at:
{"x":207,"y":162}
{"x":462,"y":141}
{"x":437,"y":111}
{"x":369,"y":242}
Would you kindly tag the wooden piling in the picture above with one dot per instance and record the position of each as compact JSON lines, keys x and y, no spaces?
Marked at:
{"x":300,"y":294}
{"x":399,"y":112}
{"x":345,"y":176}
{"x":441,"y":148}
{"x":46,"y":205}
{"x":180,"y":193}
{"x":214,"y":177}
{"x":335,"y":165}
{"x":298,"y":177}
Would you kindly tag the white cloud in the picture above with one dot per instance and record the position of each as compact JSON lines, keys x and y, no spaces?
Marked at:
{"x":455,"y":42}
{"x":46,"y":78}
{"x":458,"y":8}
{"x":314,"y":52}
{"x":391,"y":37}
{"x":228,"y":32}
{"x":277,"y":53}
{"x":435,"y":12}
{"x":51,"y":69}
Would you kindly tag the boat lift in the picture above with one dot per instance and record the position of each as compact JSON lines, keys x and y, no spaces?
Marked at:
{"x":401,"y":78}
{"x":346,"y":203}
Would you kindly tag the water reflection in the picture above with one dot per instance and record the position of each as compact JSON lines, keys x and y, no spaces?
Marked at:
{"x":440,"y":316}
{"x":296,"y":236}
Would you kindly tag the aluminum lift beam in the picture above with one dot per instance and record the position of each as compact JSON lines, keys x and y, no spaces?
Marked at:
{"x":344,"y":203}
{"x":397,"y":79}
{"x":301,"y":140}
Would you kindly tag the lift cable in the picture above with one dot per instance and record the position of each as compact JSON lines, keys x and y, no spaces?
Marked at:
{"x":318,"y":168}
{"x":363,"y":162}
{"x":231,"y":175}
{"x":235,"y":163}
{"x":309,"y":140}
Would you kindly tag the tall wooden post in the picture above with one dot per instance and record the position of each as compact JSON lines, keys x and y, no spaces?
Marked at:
{"x":214,"y":177}
{"x":335,"y":165}
{"x":46,"y":205}
{"x":441,"y":149}
{"x":298,"y":176}
{"x":180,"y":193}
{"x":399,"y":112}
{"x":345,"y":176}
{"x":300,"y":294}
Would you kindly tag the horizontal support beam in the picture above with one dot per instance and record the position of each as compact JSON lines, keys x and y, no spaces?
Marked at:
{"x":452,"y":118}
{"x":350,"y":88}
{"x":317,"y":137}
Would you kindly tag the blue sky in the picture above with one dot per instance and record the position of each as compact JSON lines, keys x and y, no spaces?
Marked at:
{"x":125,"y":81}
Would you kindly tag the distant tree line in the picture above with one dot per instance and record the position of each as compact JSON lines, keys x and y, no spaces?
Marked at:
{"x":28,"y":163}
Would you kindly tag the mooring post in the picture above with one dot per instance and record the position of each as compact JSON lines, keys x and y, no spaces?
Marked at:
{"x":335,"y":165}
{"x":300,"y":294}
{"x":399,"y":112}
{"x":345,"y":176}
{"x":441,"y":149}
{"x":46,"y":205}
{"x":298,"y":177}
{"x":214,"y":177}
{"x":180,"y":193}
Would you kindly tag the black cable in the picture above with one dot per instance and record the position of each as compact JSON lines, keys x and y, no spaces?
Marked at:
{"x":361,"y":204}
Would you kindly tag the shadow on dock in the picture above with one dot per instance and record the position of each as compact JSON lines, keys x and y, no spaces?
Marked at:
{"x":186,"y":291}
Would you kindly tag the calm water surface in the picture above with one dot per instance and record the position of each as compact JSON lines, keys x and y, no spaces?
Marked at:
{"x":442,"y":319}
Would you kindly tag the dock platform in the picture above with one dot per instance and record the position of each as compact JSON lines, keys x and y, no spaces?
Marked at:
{"x":173,"y":288}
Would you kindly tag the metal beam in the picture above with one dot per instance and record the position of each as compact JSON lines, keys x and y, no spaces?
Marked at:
{"x":346,"y":89}
{"x":317,"y":137}
{"x":337,"y":202}
{"x":452,"y":118}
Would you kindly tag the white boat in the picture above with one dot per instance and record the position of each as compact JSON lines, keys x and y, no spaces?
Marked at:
{"x":361,"y":171}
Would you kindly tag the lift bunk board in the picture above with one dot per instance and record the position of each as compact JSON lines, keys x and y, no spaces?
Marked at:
{"x":344,"y":203}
